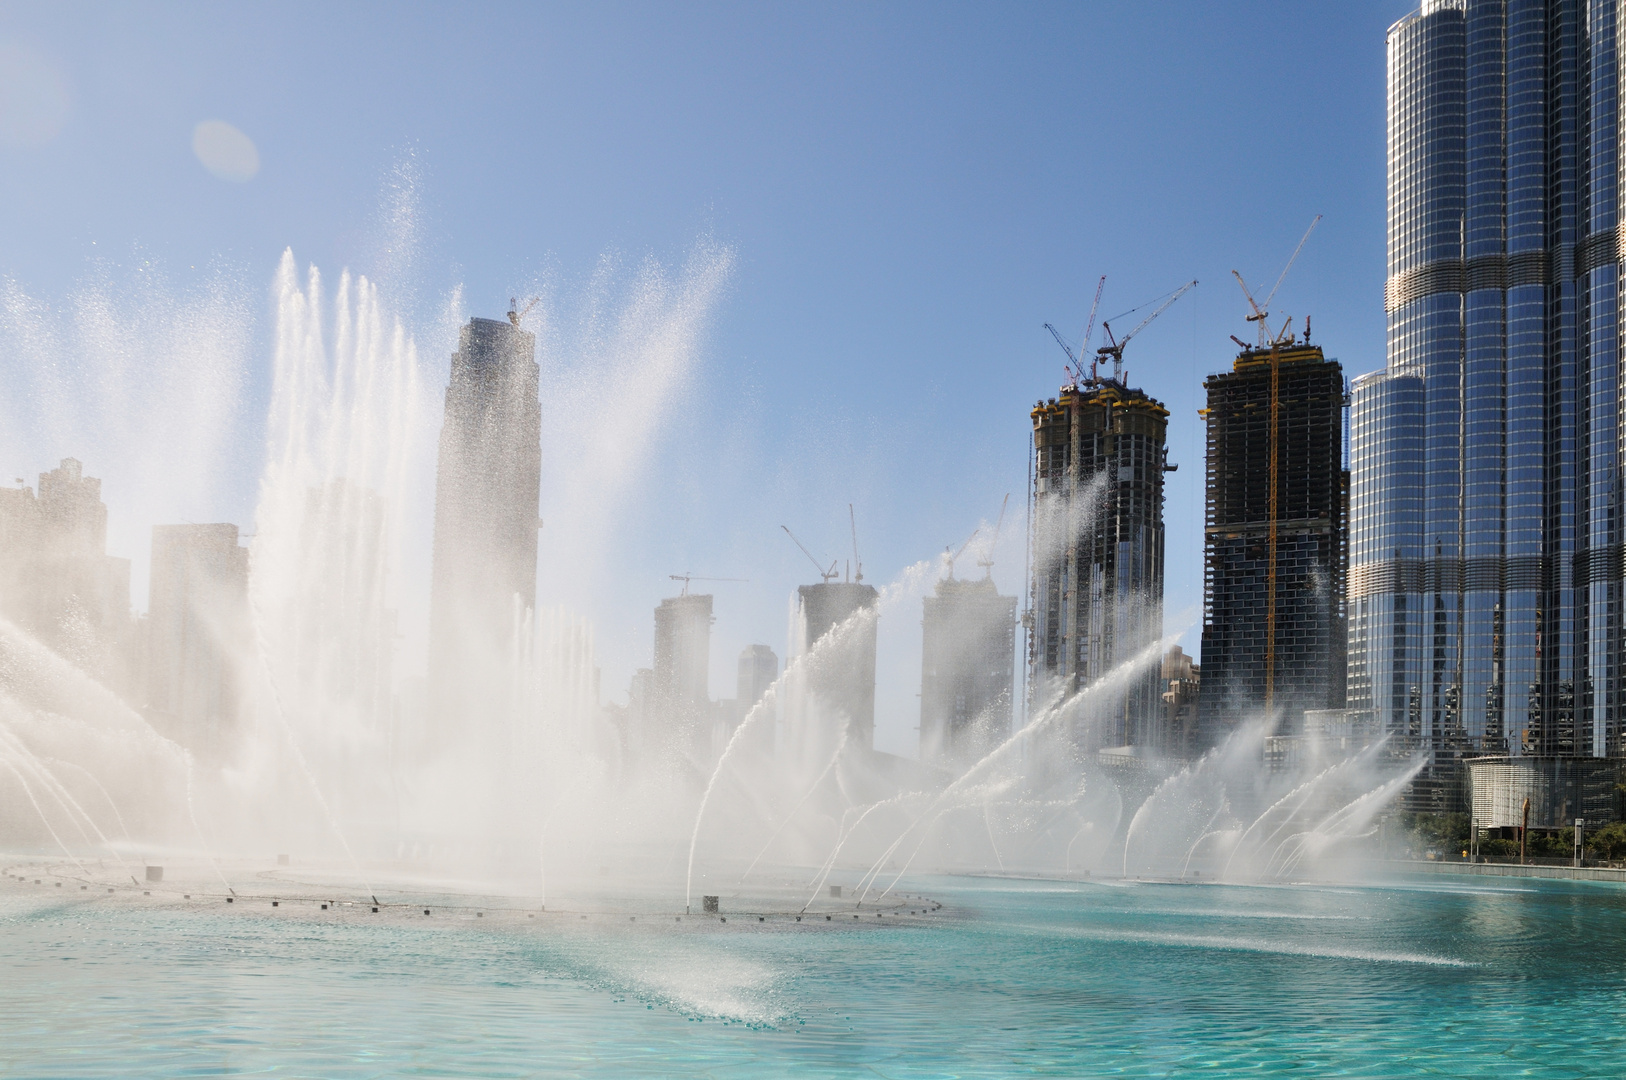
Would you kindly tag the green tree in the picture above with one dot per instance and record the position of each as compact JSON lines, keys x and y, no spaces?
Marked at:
{"x":1609,"y":842}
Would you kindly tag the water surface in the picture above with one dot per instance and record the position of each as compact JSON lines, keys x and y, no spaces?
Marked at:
{"x":1010,"y":978}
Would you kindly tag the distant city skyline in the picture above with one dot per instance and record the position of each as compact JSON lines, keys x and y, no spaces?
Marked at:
{"x":908,"y":194}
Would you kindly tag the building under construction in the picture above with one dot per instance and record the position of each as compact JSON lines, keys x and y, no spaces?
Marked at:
{"x":967,"y":663}
{"x":1276,"y":541}
{"x":679,"y":690}
{"x":841,"y":681}
{"x":1097,"y":588}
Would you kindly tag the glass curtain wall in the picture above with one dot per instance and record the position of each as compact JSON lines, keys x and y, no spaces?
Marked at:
{"x":1503,"y":302}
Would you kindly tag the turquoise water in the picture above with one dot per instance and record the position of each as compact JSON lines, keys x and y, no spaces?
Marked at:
{"x":1469,"y":978}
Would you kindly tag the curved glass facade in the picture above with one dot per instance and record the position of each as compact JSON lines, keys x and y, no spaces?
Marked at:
{"x":1503,"y":302}
{"x":1386,"y":548}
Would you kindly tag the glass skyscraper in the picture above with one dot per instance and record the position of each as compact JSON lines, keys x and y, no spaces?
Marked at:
{"x":1486,"y":571}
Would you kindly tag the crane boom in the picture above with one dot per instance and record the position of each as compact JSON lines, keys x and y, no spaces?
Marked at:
{"x":1161,"y":308}
{"x":987,"y":561}
{"x":1302,"y":241}
{"x":1066,"y":348}
{"x":686,"y":578}
{"x":952,"y":559}
{"x":515,"y":314}
{"x":1115,"y":346}
{"x":1089,"y":327}
{"x":823,"y":573}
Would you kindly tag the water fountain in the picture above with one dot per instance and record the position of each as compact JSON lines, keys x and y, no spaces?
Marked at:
{"x":335,"y":753}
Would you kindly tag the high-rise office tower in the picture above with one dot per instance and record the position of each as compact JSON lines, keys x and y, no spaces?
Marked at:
{"x":1097,"y":588}
{"x":1182,"y":686}
{"x":1385,"y":589}
{"x":679,"y":691}
{"x":486,"y":489}
{"x":1275,"y":541}
{"x":1492,"y":618}
{"x":967,"y":668}
{"x":834,"y":628}
{"x":56,"y":579}
{"x":758,"y":669}
{"x":198,"y":634}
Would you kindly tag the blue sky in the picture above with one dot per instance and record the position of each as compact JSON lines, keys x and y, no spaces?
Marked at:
{"x":908,"y":192}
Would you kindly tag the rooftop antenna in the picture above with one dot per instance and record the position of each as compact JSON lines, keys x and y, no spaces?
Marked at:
{"x":858,"y":564}
{"x":515,"y":314}
{"x":827,"y":575}
{"x":1115,"y":346}
{"x":686,"y":578}
{"x":987,"y":560}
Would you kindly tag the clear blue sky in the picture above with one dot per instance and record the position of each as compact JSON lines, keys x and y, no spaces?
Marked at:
{"x":909,"y":193}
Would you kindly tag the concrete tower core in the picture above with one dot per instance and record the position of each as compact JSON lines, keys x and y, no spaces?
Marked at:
{"x":486,"y":491}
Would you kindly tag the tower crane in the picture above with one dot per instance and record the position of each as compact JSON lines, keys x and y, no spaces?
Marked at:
{"x":987,"y":560}
{"x":954,"y":558}
{"x":515,"y":314}
{"x":858,"y":564}
{"x":828,"y":575}
{"x":1075,"y":367}
{"x":1114,"y":347}
{"x":1261,"y":312}
{"x":686,"y":578}
{"x":1274,"y":342}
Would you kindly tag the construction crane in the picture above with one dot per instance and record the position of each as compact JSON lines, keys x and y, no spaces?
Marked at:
{"x":1075,"y":367}
{"x":987,"y":560}
{"x":954,"y":558}
{"x":686,"y":578}
{"x":858,"y":564}
{"x":1114,"y":347}
{"x":514,"y":312}
{"x":1261,"y":312}
{"x":828,"y":575}
{"x":1273,"y":342}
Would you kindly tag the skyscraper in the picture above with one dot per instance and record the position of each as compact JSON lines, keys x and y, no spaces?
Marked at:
{"x":758,"y":668}
{"x":837,"y":681}
{"x":198,"y":634}
{"x":1492,"y":618}
{"x":1097,"y":587}
{"x":56,"y":579}
{"x":486,"y":492}
{"x":680,"y":692}
{"x":967,"y":665}
{"x":1275,"y":545}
